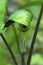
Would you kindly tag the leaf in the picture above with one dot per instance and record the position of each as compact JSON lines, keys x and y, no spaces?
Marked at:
{"x":8,"y":23}
{"x":2,"y":13}
{"x":22,"y":17}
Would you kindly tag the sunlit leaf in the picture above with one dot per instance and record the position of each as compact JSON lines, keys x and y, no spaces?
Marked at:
{"x":21,"y":16}
{"x":2,"y":13}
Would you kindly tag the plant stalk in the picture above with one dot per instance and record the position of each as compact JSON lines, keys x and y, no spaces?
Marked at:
{"x":22,"y":58}
{"x":10,"y":51}
{"x":34,"y":36}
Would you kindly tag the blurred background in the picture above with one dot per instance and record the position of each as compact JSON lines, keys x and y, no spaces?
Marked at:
{"x":11,"y":32}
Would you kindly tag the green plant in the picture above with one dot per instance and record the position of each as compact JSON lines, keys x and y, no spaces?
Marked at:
{"x":2,"y":13}
{"x":22,"y":18}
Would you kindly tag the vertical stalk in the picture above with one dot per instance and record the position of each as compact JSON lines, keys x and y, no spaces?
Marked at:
{"x":22,"y":58}
{"x":34,"y":36}
{"x":10,"y":51}
{"x":15,"y":33}
{"x":16,"y":37}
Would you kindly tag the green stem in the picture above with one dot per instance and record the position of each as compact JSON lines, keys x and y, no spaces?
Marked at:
{"x":34,"y":37}
{"x":10,"y":51}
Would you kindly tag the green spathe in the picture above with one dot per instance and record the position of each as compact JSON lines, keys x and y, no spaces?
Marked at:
{"x":2,"y":13}
{"x":21,"y":16}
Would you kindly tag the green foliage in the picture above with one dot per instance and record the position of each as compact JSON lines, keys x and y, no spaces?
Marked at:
{"x":2,"y":13}
{"x":37,"y":59}
{"x":21,"y":16}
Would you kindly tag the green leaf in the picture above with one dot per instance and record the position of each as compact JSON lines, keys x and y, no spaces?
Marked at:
{"x":2,"y":13}
{"x":22,"y":17}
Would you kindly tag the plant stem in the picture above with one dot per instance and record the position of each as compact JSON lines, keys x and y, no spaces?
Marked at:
{"x":15,"y":33}
{"x":10,"y":51}
{"x":22,"y":58}
{"x":34,"y":37}
{"x":16,"y":37}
